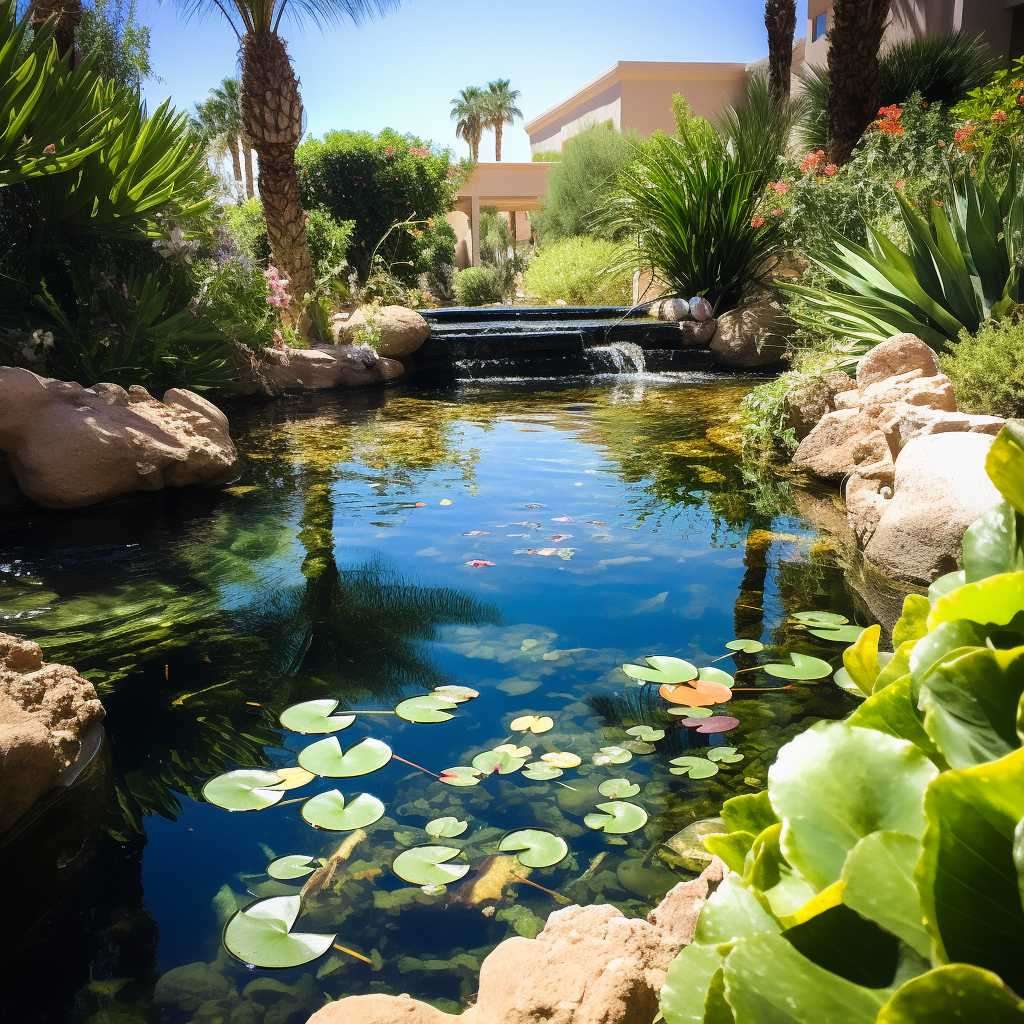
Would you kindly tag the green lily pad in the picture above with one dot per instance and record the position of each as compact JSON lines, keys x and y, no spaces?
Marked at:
{"x":662,"y":670}
{"x":639,"y":747}
{"x":261,"y":935}
{"x":329,"y":810}
{"x":724,"y":755}
{"x":491,"y":761}
{"x":695,"y":767}
{"x":430,"y":865}
{"x":821,"y":618}
{"x":314,"y":716}
{"x":461,"y":776}
{"x":612,"y":755}
{"x":840,"y":634}
{"x":618,"y":818}
{"x":746,"y":646}
{"x":292,"y":865}
{"x":618,"y":788}
{"x":445,"y":828}
{"x":425,"y":708}
{"x":537,"y":847}
{"x":247,"y":789}
{"x":711,"y":674}
{"x":541,"y":771}
{"x":687,"y":712}
{"x":327,"y":759}
{"x":804,"y":667}
{"x":646,"y":733}
{"x":458,"y":694}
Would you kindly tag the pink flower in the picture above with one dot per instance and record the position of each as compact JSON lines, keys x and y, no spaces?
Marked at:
{"x":999,"y":115}
{"x":757,"y":222}
{"x":776,"y":213}
{"x":50,"y":149}
{"x":779,"y":186}
{"x":389,"y":151}
{"x":899,"y":184}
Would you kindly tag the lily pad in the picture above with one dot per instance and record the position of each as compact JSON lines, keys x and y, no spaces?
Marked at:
{"x":293,"y":778}
{"x":261,"y":935}
{"x":821,"y":618}
{"x":612,"y":755}
{"x":804,"y":667}
{"x":724,"y":755}
{"x":712,"y":725}
{"x":695,"y":767}
{"x":662,"y":670}
{"x":425,"y":708}
{"x":618,"y":788}
{"x":292,"y":865}
{"x":451,"y":692}
{"x":514,"y":751}
{"x":618,"y":818}
{"x":710,"y":674}
{"x":315,"y":716}
{"x":690,"y":712}
{"x":704,"y":694}
{"x":746,"y":646}
{"x":532,"y":723}
{"x":639,"y":746}
{"x":562,"y":758}
{"x":541,"y":771}
{"x":327,"y":759}
{"x":843,"y":679}
{"x":840,"y":634}
{"x":646,"y":733}
{"x":461,"y":776}
{"x":430,"y":865}
{"x":246,"y":789}
{"x":330,"y":811}
{"x":535,"y":847}
{"x":497,"y":761}
{"x":445,"y":828}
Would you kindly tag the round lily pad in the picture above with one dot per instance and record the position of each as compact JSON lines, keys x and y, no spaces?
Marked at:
{"x":646,"y":733}
{"x":712,"y":725}
{"x":497,"y":761}
{"x":533,"y":723}
{"x":315,"y":716}
{"x":695,"y":767}
{"x":617,"y":818}
{"x":461,"y":776}
{"x":246,"y":789}
{"x":425,"y":708}
{"x":639,"y":747}
{"x":840,"y":634}
{"x":327,"y":759}
{"x":708,"y":694}
{"x":430,"y":865}
{"x":330,"y":811}
{"x":616,"y":789}
{"x":541,"y":771}
{"x":724,"y":755}
{"x":261,"y":935}
{"x":710,"y":674}
{"x":455,"y":693}
{"x":537,"y":847}
{"x":513,"y":750}
{"x":292,"y":865}
{"x":804,"y":667}
{"x":445,"y":828}
{"x":842,"y":678}
{"x":612,"y":755}
{"x":746,"y":646}
{"x":562,"y":758}
{"x":661,"y":670}
{"x":816,"y":618}
{"x":293,"y":778}
{"x":689,"y":712}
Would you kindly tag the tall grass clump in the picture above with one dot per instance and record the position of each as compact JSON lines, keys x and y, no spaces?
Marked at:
{"x":578,"y":271}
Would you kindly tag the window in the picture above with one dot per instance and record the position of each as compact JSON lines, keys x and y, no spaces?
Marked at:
{"x":819,"y":26}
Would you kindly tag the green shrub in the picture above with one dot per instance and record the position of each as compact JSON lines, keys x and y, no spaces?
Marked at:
{"x":987,"y":368}
{"x":993,"y":114}
{"x":501,"y":252}
{"x":477,"y":286}
{"x":550,"y":156}
{"x":579,"y":271}
{"x":436,"y":261}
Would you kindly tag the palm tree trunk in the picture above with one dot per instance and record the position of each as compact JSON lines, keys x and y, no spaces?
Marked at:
{"x":272,"y":112}
{"x":780,"y":20}
{"x":497,"y":141}
{"x":234,"y":144}
{"x":512,"y":225}
{"x":250,"y":182}
{"x":67,"y":15}
{"x":474,"y":149}
{"x":856,"y":35}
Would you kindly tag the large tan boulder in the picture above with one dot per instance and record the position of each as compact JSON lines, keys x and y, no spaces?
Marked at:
{"x":45,"y":712}
{"x":68,"y":446}
{"x":753,"y":335}
{"x":807,"y":405}
{"x":898,"y":354}
{"x":329,"y":366}
{"x":402,"y":330}
{"x":697,"y":333}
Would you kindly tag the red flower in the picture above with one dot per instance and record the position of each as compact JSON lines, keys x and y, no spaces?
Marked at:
{"x":961,"y":133}
{"x":776,"y":213}
{"x":757,"y":222}
{"x":888,"y":121}
{"x":829,"y":169}
{"x":389,"y":150}
{"x":811,"y":160}
{"x":50,"y":149}
{"x":899,"y":184}
{"x":937,"y":202}
{"x":999,"y":115}
{"x":779,"y":186}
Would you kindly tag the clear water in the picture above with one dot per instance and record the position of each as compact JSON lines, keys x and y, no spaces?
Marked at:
{"x":333,"y":568}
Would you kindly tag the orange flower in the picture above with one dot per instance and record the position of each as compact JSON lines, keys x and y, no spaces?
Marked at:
{"x":776,"y":213}
{"x":830,"y":169}
{"x":899,"y":184}
{"x":779,"y":186}
{"x":999,"y":115}
{"x":811,"y":160}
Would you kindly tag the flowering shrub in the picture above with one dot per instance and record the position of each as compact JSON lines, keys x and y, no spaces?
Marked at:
{"x":277,"y":288}
{"x":993,"y":115}
{"x":888,"y":121}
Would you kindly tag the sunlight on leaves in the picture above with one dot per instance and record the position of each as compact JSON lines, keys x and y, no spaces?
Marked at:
{"x":533,"y":723}
{"x":461,"y":776}
{"x":445,"y":828}
{"x":247,"y":789}
{"x":541,"y":771}
{"x":804,"y":667}
{"x":646,"y":733}
{"x":617,"y":789}
{"x":724,"y":755}
{"x":514,"y":751}
{"x":314,"y":716}
{"x":330,"y":811}
{"x":292,"y":865}
{"x":425,"y":708}
{"x":746,"y":646}
{"x":562,"y":758}
{"x":535,"y":847}
{"x":492,"y":762}
{"x":617,"y":818}
{"x":612,"y":755}
{"x":261,"y":935}
{"x":695,"y":767}
{"x":454,"y":693}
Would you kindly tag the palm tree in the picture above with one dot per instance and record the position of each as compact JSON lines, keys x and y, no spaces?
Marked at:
{"x":67,"y":15}
{"x":856,"y":35}
{"x":272,"y":114}
{"x":500,"y":109}
{"x":220,"y":122}
{"x":780,"y":20}
{"x":469,"y":115}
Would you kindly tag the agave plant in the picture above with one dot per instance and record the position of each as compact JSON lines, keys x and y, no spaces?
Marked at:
{"x":961,"y":268}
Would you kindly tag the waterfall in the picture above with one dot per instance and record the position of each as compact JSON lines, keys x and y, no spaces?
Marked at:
{"x":618,"y":357}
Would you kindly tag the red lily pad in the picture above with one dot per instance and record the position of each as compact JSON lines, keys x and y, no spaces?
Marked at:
{"x":709,"y":726}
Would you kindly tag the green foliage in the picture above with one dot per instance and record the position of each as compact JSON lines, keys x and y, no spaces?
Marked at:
{"x":550,"y":156}
{"x":477,"y":286}
{"x":501,"y":252}
{"x":987,"y":368}
{"x":993,"y":112}
{"x":111,"y":33}
{"x":436,"y":261}
{"x":580,"y":271}
{"x":234,"y":294}
{"x":881,"y":880}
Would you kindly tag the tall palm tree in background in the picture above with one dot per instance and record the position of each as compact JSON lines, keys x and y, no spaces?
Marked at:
{"x":500,"y":109}
{"x":780,"y":20}
{"x":220,"y":120}
{"x":272,"y":114}
{"x":853,"y":98}
{"x":470,"y":117}
{"x":67,"y":15}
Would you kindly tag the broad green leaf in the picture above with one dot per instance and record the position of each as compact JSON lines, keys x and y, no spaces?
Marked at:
{"x":261,"y":935}
{"x":839,"y":634}
{"x":327,"y":759}
{"x":835,"y":784}
{"x":751,"y":812}
{"x":842,"y":678}
{"x":646,"y":733}
{"x":492,"y":762}
{"x":617,"y":789}
{"x":541,"y":771}
{"x":695,"y":767}
{"x":247,"y":789}
{"x":430,"y":865}
{"x":461,"y":776}
{"x":711,"y":674}
{"x":425,"y":708}
{"x":690,"y":712}
{"x":732,"y":912}
{"x":879,"y":877}
{"x":768,"y":870}
{"x":291,"y":865}
{"x":861,"y":660}
{"x":724,"y":755}
{"x":913,"y":623}
{"x":1018,"y":855}
{"x":618,"y":818}
{"x":330,"y":811}
{"x":893,"y":710}
{"x":945,"y":638}
{"x":946,"y":585}
{"x":716,"y":1006}
{"x":991,"y":544}
{"x":897,"y":666}
{"x":314,"y":716}
{"x":612,"y":755}
{"x":820,"y":618}
{"x":950,"y":995}
{"x":997,"y":599}
{"x":1005,"y":464}
{"x":686,"y":984}
{"x":804,"y":667}
{"x":673,"y":670}
{"x":445,"y":828}
{"x":535,"y":847}
{"x":732,"y":848}
{"x":746,"y":646}
{"x":967,"y":876}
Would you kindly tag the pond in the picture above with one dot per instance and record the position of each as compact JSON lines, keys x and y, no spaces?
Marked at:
{"x":523,"y":539}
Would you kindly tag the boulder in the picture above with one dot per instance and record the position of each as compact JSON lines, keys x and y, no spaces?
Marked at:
{"x":329,"y":366}
{"x":700,"y":308}
{"x":188,"y":987}
{"x":10,"y":492}
{"x":672,"y":309}
{"x":807,"y":405}
{"x":754,"y":335}
{"x":697,"y":333}
{"x":898,"y":354}
{"x":45,"y":712}
{"x":69,"y":446}
{"x":402,"y":330}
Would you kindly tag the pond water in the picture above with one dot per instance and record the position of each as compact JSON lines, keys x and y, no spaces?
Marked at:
{"x":615,"y":522}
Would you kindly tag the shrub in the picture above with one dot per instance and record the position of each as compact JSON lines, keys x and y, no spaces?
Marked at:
{"x":477,"y":286}
{"x":436,"y":260}
{"x":578,"y":271}
{"x":501,"y":252}
{"x":994,"y":112}
{"x":549,"y":156}
{"x":987,"y":368}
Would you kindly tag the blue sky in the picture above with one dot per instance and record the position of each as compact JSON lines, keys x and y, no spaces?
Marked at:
{"x":402,"y":70}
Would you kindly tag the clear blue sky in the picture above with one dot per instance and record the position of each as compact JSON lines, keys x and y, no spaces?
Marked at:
{"x":402,"y":70}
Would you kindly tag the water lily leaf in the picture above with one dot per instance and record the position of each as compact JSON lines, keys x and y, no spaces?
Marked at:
{"x":456,"y":694}
{"x":842,"y":678}
{"x":541,"y":771}
{"x":695,"y":767}
{"x":710,"y":726}
{"x":840,"y":634}
{"x":246,"y":789}
{"x":746,"y":646}
{"x":326,"y":758}
{"x":330,"y":811}
{"x":314,"y":716}
{"x":710,"y":674}
{"x":446,"y":828}
{"x":461,"y":776}
{"x":261,"y":935}
{"x":497,"y":761}
{"x":533,"y":723}
{"x":673,"y":670}
{"x":618,"y":818}
{"x":292,"y":865}
{"x":804,"y":667}
{"x":639,"y":747}
{"x":537,"y":847}
{"x":430,"y":865}
{"x":690,"y":712}
{"x":617,"y":789}
{"x":646,"y":733}
{"x":820,"y":618}
{"x":514,"y":751}
{"x":724,"y":755}
{"x":425,"y":708}
{"x":562,"y":758}
{"x":704,"y":694}
{"x":612,"y":755}
{"x":293,"y":778}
